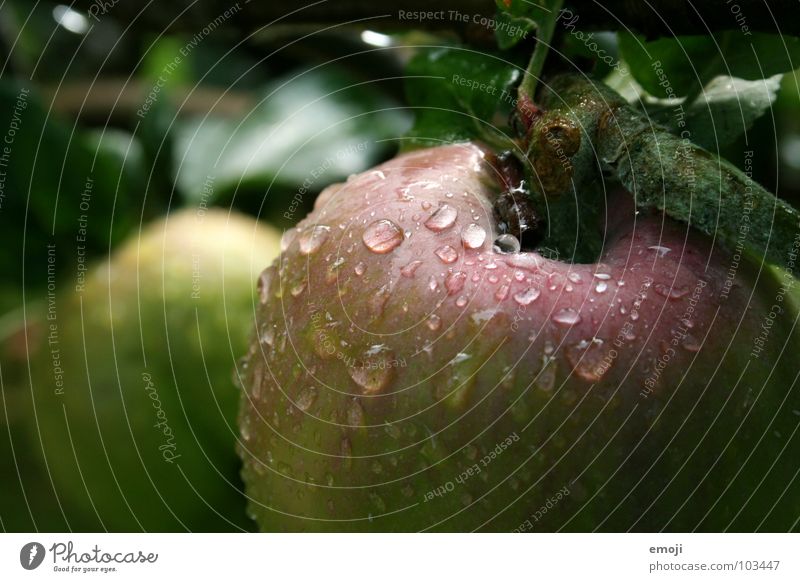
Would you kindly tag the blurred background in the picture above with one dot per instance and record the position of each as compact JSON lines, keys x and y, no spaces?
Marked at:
{"x":118,"y":119}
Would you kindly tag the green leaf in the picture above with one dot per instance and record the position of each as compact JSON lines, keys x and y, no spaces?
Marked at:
{"x":309,"y":129}
{"x":60,"y":187}
{"x":456,"y":93}
{"x":511,"y":30}
{"x":727,"y":108}
{"x":675,"y":67}
{"x":516,"y":19}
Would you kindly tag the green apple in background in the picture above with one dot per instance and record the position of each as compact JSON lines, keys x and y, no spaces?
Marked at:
{"x":134,"y":399}
{"x":416,"y":370}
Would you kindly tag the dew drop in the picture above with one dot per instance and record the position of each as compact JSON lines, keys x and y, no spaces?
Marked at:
{"x":690,"y":344}
{"x":502,"y":293}
{"x":662,"y":251}
{"x":473,"y":236}
{"x":602,"y":276}
{"x":506,"y":244}
{"x":287,"y":239}
{"x":355,"y":414}
{"x":444,"y":218}
{"x":372,"y":375}
{"x":670,"y":292}
{"x":527,"y":296}
{"x":461,"y":301}
{"x":527,"y":261}
{"x":411,"y":268}
{"x":432,"y":284}
{"x":298,"y":289}
{"x":589,"y":360}
{"x":311,"y":240}
{"x":634,"y":315}
{"x":455,"y":282}
{"x":567,"y":317}
{"x":306,"y":398}
{"x":346,"y":452}
{"x":601,"y":287}
{"x":574,"y":277}
{"x":360,"y":269}
{"x":546,"y":379}
{"x":264,"y":283}
{"x":382,"y":236}
{"x":434,"y":322}
{"x":267,"y":336}
{"x":378,"y":301}
{"x":447,"y":254}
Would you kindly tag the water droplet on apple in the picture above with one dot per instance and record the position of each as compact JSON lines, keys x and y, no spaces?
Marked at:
{"x":312,"y":239}
{"x":662,"y":251}
{"x":434,"y":322}
{"x":244,"y":428}
{"x":574,"y":277}
{"x":443,"y":218}
{"x":691,"y":344}
{"x":473,"y":236}
{"x":602,"y":276}
{"x":267,"y":336}
{"x":432,"y":284}
{"x":411,"y":268}
{"x":447,"y":254}
{"x":502,"y":293}
{"x":373,"y":375}
{"x":382,"y":236}
{"x":378,"y":301}
{"x":506,"y":244}
{"x":298,"y":289}
{"x":264,"y":283}
{"x":355,"y":414}
{"x":601,"y":287}
{"x":670,"y":292}
{"x":306,"y":398}
{"x":546,"y":378}
{"x":287,"y":239}
{"x":589,"y":360}
{"x":527,"y":296}
{"x":567,"y":317}
{"x":455,"y":282}
{"x":346,"y":452}
{"x":461,"y":301}
{"x":360,"y":269}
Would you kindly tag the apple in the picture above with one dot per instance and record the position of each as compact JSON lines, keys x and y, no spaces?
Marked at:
{"x":134,"y":410}
{"x":413,"y":372}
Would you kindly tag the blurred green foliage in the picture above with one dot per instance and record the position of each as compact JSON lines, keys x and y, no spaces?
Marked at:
{"x":249,"y":123}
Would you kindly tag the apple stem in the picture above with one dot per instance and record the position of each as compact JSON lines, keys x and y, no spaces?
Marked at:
{"x":587,"y":127}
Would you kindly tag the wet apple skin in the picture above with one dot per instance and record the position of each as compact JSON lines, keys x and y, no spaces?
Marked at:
{"x":394,"y":354}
